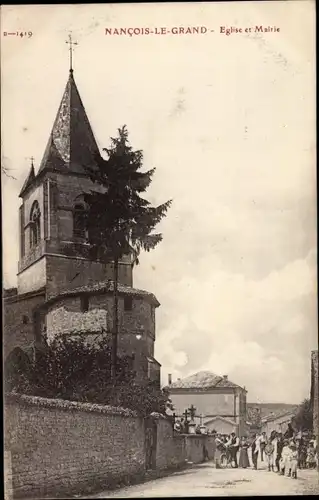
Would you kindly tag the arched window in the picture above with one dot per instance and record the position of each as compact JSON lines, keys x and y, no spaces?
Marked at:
{"x":79,"y":230}
{"x":35,"y":226}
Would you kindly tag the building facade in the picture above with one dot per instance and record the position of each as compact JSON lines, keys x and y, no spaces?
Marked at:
{"x":59,"y":286}
{"x":314,"y":392}
{"x":219,"y":403}
{"x":278,"y":423}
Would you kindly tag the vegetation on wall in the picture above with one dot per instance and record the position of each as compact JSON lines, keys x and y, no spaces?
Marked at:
{"x":76,"y":370}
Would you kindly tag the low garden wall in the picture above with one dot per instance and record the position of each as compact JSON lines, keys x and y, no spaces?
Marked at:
{"x":171,"y":447}
{"x":199,"y":447}
{"x":62,"y":447}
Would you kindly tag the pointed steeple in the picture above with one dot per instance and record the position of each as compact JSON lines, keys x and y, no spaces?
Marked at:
{"x":71,"y":145}
{"x":29,"y":180}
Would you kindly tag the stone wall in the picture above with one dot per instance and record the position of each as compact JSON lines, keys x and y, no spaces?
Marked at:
{"x":171,"y":449}
{"x":65,"y":272}
{"x":314,"y":391}
{"x":19,"y":321}
{"x":64,"y":447}
{"x":130,"y":323}
{"x":34,"y":276}
{"x":198,"y":447}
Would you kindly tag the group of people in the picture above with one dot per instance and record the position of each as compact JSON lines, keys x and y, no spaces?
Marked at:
{"x":282,"y":453}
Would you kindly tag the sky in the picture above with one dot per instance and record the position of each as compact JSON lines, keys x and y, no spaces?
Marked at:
{"x":229,"y":123}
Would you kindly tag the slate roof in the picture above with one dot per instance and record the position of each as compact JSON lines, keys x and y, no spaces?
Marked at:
{"x":29,"y":180}
{"x":104,"y":287}
{"x":202,"y":381}
{"x":71,"y":144}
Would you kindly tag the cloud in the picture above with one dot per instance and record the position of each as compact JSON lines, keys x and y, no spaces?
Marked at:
{"x":259,"y":332}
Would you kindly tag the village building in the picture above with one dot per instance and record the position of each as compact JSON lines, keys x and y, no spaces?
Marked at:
{"x":219,"y":403}
{"x":277,"y":421}
{"x":60,"y":289}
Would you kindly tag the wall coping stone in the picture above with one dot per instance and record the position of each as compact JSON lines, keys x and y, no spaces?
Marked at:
{"x":67,"y":405}
{"x":158,"y":415}
{"x":193,"y":436}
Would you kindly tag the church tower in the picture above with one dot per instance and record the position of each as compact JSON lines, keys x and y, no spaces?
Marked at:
{"x":60,"y":289}
{"x":52,"y":236}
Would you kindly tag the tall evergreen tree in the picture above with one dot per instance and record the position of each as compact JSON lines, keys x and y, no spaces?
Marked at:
{"x":119,"y":220}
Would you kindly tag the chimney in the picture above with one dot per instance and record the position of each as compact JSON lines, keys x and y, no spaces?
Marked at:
{"x":225,"y":377}
{"x":169,"y":379}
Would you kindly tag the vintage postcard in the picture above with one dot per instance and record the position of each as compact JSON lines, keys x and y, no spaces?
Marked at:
{"x":158,"y":166}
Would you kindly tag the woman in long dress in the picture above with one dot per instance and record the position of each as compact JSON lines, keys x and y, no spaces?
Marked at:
{"x":243,"y":454}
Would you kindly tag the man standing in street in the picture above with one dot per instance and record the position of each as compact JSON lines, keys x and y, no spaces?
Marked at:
{"x":280,"y":445}
{"x":233,"y":444}
{"x":269,"y":452}
{"x":255,"y":450}
{"x":262,"y":444}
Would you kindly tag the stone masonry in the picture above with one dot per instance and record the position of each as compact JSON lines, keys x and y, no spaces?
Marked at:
{"x":64,"y":447}
{"x":314,"y":391}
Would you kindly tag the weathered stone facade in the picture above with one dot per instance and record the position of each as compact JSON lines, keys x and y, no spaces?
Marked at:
{"x":63,"y":315}
{"x":58,"y":261}
{"x":19,"y":322}
{"x":314,"y":391}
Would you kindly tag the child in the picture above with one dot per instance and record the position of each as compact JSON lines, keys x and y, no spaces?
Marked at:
{"x":269,"y":452}
{"x":285,"y":458}
{"x":311,"y":456}
{"x":293,"y":461}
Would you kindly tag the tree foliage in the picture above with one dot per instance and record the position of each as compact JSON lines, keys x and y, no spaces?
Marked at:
{"x":303,"y":419}
{"x":76,"y":370}
{"x":119,"y":220}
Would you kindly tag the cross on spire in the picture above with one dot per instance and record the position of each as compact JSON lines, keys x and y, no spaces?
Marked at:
{"x":32,"y":160}
{"x":71,"y":43}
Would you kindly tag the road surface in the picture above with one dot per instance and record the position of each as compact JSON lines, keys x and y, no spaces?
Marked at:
{"x":205,"y":480}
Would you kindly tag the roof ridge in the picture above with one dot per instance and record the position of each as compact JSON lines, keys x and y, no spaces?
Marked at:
{"x":204,"y":379}
{"x":100,"y":287}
